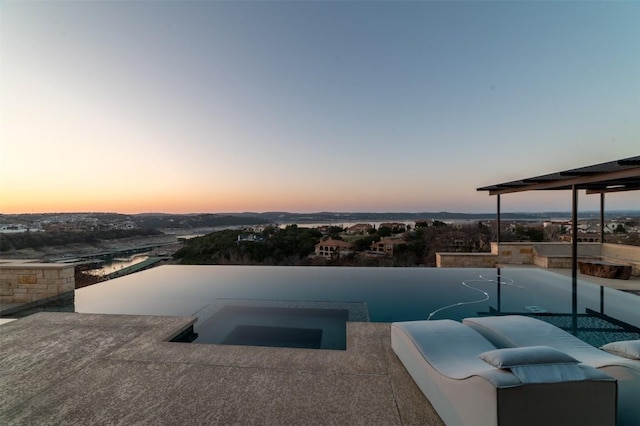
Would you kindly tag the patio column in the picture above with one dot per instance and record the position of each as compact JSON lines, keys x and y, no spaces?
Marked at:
{"x":498,"y":209}
{"x":574,"y":260}
{"x":574,"y":232}
{"x":601,"y":217}
{"x":499,"y":289}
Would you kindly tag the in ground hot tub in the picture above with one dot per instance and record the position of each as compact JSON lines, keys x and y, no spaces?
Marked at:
{"x":292,"y":324}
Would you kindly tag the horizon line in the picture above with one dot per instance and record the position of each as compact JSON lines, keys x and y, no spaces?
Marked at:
{"x":322,"y":212}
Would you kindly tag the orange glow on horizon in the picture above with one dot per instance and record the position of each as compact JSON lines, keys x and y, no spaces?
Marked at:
{"x":168,"y":198}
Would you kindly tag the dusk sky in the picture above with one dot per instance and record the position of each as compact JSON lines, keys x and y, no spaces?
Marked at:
{"x":302,"y":106}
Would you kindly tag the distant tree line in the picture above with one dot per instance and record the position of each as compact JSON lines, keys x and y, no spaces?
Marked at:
{"x":527,"y":233}
{"x":35,"y":240}
{"x":287,"y":246}
{"x":143,"y":220}
{"x":293,"y":245}
{"x":194,"y":220}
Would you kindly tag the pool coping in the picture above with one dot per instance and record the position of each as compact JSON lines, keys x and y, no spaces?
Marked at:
{"x":105,"y":369}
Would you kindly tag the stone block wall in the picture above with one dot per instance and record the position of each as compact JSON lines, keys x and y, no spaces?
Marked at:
{"x":503,"y":253}
{"x":514,"y":253}
{"x":558,"y":255}
{"x":27,"y":282}
{"x":466,"y":260}
{"x":620,"y":253}
{"x":545,"y":255}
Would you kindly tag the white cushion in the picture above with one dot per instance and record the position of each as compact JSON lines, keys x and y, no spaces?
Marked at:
{"x":526,"y":355}
{"x":626,"y":348}
{"x":536,"y":364}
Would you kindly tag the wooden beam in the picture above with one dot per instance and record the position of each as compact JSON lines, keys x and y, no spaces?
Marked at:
{"x":572,"y":182}
{"x":625,"y":188}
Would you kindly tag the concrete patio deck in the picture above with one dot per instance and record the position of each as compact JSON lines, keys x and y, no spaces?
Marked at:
{"x":90,"y":369}
{"x":86,"y":369}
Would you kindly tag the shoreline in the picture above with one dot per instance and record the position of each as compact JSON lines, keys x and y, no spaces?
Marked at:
{"x":77,"y":250}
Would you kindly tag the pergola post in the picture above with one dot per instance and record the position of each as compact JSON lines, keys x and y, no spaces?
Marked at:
{"x":574,"y":259}
{"x":499,"y":226}
{"x":601,"y":217}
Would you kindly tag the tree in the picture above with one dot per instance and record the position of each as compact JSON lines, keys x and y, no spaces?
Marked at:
{"x":535,"y":234}
{"x":364,"y":243}
{"x":334,"y":232}
{"x":384,"y":231}
{"x":288,"y":246}
{"x":620,"y":229}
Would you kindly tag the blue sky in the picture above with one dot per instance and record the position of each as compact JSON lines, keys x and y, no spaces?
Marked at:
{"x":311,"y":106}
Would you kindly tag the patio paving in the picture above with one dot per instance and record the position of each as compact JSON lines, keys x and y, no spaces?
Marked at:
{"x":91,"y":369}
{"x":71,"y":368}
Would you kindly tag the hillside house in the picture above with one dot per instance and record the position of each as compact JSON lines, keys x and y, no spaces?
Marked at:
{"x":249,"y":238}
{"x":387,"y":245}
{"x":394,"y":226}
{"x":331,"y":248}
{"x":359,"y":228}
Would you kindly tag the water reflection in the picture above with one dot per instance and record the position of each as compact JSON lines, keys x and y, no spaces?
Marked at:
{"x":390,"y":294}
{"x":115,"y":264}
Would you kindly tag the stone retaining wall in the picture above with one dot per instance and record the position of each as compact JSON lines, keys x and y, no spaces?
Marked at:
{"x":29,"y":281}
{"x":503,"y":253}
{"x":514,"y":253}
{"x":558,"y":255}
{"x":545,"y":255}
{"x":620,"y":253}
{"x":466,"y":260}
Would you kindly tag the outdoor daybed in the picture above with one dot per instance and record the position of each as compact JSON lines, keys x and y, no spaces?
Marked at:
{"x":470,"y":382}
{"x":515,"y":330}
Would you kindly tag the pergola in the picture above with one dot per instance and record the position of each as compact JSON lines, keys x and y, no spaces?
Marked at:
{"x":614,"y":176}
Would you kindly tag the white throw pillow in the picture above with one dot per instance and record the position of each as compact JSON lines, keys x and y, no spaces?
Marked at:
{"x":626,"y":348}
{"x":526,"y":355}
{"x":536,"y":364}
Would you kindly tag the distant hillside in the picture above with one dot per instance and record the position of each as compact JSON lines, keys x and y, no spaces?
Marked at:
{"x":204,"y":220}
{"x":38,"y":240}
{"x":289,"y":217}
{"x":210,"y":220}
{"x":143,"y":220}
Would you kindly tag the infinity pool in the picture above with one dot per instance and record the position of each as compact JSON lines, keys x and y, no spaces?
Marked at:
{"x":387,"y":294}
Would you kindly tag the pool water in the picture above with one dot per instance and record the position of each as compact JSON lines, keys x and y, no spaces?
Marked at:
{"x":387,"y":294}
{"x":298,"y":324}
{"x":282,"y":327}
{"x":282,"y":337}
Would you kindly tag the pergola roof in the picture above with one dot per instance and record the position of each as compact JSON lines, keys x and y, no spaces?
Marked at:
{"x":613,"y":176}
